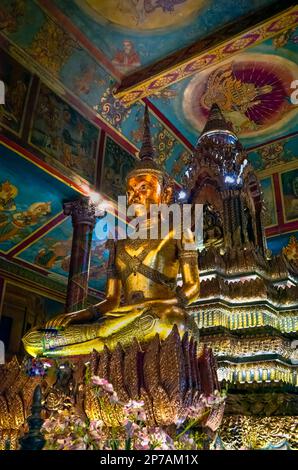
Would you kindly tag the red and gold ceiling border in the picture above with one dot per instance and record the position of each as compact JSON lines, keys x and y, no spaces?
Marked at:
{"x":220,"y":45}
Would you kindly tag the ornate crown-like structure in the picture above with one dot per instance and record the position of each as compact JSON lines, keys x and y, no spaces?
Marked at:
{"x":147,"y":164}
{"x":218,"y":147}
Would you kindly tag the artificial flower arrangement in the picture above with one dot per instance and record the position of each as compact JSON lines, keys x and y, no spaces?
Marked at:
{"x":65,"y":430}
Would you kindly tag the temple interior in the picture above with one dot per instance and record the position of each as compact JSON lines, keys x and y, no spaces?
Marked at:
{"x":197,"y":102}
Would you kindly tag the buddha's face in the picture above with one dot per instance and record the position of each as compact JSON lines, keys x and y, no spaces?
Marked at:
{"x":145,"y":190}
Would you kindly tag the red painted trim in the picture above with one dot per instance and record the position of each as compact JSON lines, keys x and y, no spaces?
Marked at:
{"x":278,"y":199}
{"x":24,"y":152}
{"x":168,"y":123}
{"x":25,"y":264}
{"x":284,"y":137}
{"x":279,"y":229}
{"x":36,"y":235}
{"x":69,"y":26}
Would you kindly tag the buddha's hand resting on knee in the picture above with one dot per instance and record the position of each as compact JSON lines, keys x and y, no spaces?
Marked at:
{"x":65,"y":319}
{"x":164,"y":310}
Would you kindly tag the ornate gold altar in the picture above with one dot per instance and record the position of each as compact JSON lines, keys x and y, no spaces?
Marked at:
{"x":247,"y":311}
{"x":146,"y":347}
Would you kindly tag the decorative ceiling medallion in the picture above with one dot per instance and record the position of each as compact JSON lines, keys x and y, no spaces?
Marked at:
{"x":252,"y":90}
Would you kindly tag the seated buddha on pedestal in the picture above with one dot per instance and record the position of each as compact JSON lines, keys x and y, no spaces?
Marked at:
{"x":144,"y":270}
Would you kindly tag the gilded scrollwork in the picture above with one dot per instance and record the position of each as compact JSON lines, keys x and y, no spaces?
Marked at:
{"x":252,"y":432}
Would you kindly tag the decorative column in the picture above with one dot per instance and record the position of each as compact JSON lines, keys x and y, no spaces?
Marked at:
{"x":83,"y":218}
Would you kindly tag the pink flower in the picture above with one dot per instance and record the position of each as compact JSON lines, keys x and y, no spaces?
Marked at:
{"x":98,"y":381}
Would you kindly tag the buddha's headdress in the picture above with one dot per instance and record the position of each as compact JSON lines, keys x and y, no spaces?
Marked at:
{"x":147,"y":164}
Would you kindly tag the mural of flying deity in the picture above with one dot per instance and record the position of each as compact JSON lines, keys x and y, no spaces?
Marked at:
{"x":27,"y":200}
{"x":251,"y":90}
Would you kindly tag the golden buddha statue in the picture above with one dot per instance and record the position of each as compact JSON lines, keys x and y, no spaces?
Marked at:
{"x":144,"y":270}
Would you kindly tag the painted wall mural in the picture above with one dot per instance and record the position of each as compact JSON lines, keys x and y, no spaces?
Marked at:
{"x":52,"y":47}
{"x":63,"y":134}
{"x":274,"y":154}
{"x":117,"y":163}
{"x":277,"y":243}
{"x":111,"y":109}
{"x":29,"y":198}
{"x":270,"y":217}
{"x":289,"y":184}
{"x":17,"y":82}
{"x":52,"y":253}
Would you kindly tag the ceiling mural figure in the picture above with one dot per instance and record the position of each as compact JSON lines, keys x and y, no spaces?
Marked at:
{"x":143,"y":14}
{"x":127,"y":58}
{"x":252,"y":90}
{"x":12,"y":224}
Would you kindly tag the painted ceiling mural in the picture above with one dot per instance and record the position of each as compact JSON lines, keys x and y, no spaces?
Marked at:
{"x":60,"y":132}
{"x":30,"y":199}
{"x":17,"y":81}
{"x":133,"y":34}
{"x":253,"y":90}
{"x":61,"y":62}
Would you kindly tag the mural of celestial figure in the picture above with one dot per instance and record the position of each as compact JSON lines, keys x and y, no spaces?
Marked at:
{"x":140,"y":9}
{"x":10,"y":226}
{"x":290,"y":194}
{"x":269,"y":201}
{"x":291,"y":250}
{"x":8,"y":192}
{"x":234,"y":96}
{"x":253,"y":92}
{"x":86,"y":79}
{"x":142,"y":14}
{"x":126,"y":59}
{"x":56,"y":252}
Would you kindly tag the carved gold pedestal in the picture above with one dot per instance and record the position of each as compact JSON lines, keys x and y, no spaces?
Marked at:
{"x":16,"y":391}
{"x":169,"y":376}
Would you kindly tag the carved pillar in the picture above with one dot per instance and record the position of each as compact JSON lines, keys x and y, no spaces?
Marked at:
{"x":83,"y":218}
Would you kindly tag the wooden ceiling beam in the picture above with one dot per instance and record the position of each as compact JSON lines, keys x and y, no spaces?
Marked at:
{"x":231,"y":39}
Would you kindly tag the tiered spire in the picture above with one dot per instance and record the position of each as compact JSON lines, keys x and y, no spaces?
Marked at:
{"x":147,"y":163}
{"x":146,"y":152}
{"x":216,"y":122}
